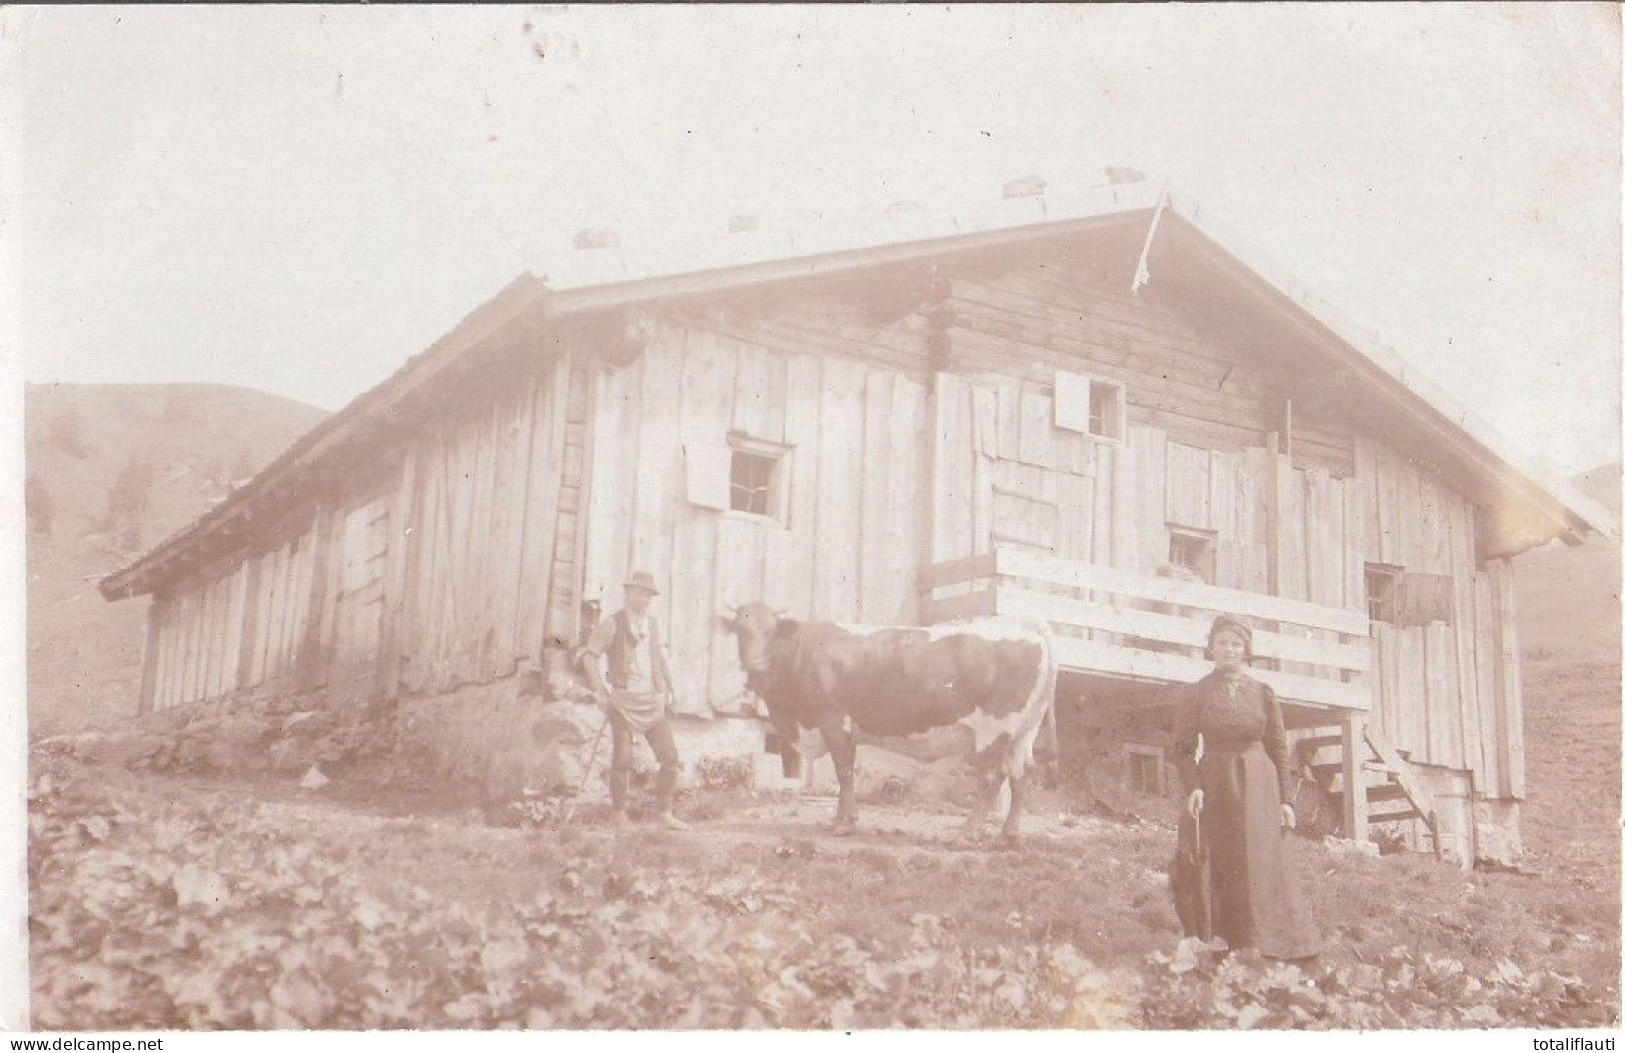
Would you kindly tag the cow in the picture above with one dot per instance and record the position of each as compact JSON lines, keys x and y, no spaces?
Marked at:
{"x":994,"y":676}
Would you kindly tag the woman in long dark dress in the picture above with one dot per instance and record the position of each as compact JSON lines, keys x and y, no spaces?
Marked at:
{"x":1233,"y":874}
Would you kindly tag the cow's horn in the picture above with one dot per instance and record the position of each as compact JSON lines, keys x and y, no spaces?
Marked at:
{"x":729,"y":611}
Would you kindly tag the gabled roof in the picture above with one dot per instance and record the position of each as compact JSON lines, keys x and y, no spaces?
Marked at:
{"x":600,"y":280}
{"x":1366,"y":349}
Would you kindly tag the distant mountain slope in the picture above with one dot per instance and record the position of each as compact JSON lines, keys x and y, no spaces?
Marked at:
{"x":112,"y":470}
{"x":1568,"y":598}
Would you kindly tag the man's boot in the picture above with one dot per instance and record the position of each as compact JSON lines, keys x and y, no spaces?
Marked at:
{"x":665,"y":786}
{"x":619,"y":784}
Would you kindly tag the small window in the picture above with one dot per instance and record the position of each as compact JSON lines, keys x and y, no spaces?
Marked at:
{"x":1145,"y":768}
{"x":1382,"y":592}
{"x":1106,"y":409}
{"x":751,"y":483}
{"x":1089,"y":405}
{"x":1192,"y":550}
{"x":757,"y":477}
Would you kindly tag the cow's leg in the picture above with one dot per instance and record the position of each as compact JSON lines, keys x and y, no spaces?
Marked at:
{"x":843,"y":750}
{"x":987,"y":791}
{"x":1011,"y":833}
{"x":991,"y":767}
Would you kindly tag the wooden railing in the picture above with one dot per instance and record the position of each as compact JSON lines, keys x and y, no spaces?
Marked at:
{"x":1119,"y":623}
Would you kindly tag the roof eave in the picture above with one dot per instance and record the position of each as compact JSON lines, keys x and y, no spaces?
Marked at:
{"x":1108,"y":206}
{"x":522,"y":297}
{"x":1384,"y":368}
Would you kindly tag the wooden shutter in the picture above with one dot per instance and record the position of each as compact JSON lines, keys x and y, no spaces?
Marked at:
{"x":1072,"y":401}
{"x":708,"y":466}
{"x":1425,"y":598}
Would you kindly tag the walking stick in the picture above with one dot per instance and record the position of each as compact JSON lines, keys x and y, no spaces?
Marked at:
{"x":1199,"y":857}
{"x":1204,"y":886}
{"x":592,"y":759}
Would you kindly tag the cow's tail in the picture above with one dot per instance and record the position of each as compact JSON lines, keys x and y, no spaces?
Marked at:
{"x":1041,"y":702}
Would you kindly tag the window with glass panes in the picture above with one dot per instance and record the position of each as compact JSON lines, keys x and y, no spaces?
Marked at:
{"x":753,"y":483}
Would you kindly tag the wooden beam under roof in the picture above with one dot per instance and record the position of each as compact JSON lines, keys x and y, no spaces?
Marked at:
{"x":1326,"y":393}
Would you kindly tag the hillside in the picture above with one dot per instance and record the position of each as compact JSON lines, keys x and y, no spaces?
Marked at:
{"x":1568,"y":598}
{"x":175,"y":902}
{"x":113,"y":469}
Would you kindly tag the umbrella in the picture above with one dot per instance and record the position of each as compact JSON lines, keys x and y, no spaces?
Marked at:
{"x":1193,"y":877}
{"x":1201,"y":864}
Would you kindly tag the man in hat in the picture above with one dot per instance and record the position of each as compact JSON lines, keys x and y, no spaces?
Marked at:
{"x":636,"y":694}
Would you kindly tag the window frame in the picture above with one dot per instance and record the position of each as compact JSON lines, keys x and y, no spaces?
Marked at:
{"x":1118,"y":432}
{"x":1394,"y":576}
{"x":1209,"y":540}
{"x":778,"y":486}
{"x":1146,"y":767}
{"x":1113,"y":418}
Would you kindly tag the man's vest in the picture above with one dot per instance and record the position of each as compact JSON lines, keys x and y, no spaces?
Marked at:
{"x":623,"y":648}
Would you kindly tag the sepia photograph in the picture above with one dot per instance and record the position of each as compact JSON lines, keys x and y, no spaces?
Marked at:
{"x":1040,"y":518}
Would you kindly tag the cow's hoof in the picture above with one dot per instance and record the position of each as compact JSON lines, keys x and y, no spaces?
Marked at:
{"x":1010,"y":840}
{"x":843,"y":827}
{"x":970,"y":839}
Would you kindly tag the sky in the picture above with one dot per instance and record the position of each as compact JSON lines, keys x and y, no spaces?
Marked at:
{"x":298,"y":198}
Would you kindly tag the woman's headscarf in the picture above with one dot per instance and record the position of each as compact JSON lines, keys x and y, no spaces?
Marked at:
{"x":1225,"y":622}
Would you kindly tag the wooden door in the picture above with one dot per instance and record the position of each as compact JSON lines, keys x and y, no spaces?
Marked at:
{"x":359,"y":604}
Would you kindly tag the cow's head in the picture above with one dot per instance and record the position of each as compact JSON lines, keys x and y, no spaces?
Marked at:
{"x":757,"y":627}
{"x":754,"y":625}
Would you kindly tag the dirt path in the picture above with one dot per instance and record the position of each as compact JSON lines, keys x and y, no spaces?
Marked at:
{"x":786,"y":823}
{"x":892,"y":828}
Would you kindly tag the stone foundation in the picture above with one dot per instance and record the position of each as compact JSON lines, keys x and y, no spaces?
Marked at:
{"x":505,"y":745}
{"x":1498,"y":833}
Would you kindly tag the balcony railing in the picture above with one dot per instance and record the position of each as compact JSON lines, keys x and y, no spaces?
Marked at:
{"x":1122,"y":624}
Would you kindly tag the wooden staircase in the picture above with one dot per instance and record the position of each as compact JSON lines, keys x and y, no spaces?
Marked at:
{"x":1390,"y":790}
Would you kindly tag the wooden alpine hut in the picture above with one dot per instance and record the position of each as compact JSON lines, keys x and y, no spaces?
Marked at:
{"x":1106,"y":410}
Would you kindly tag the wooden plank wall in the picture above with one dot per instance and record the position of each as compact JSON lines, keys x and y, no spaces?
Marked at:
{"x":851,"y":544}
{"x":1114,"y":503}
{"x":1006,"y":474}
{"x":1487,"y":676}
{"x":1192,"y":457}
{"x":203,"y":628}
{"x":835,"y":323}
{"x":1509,"y":743}
{"x":451,"y":557}
{"x":1441,"y":688}
{"x":492,"y":500}
{"x":1031,"y":321}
